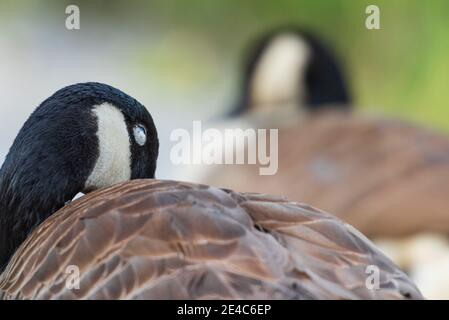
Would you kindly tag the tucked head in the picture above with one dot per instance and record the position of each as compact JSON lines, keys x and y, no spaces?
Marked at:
{"x":90,"y":131}
{"x":84,"y":137}
{"x":291,"y":67}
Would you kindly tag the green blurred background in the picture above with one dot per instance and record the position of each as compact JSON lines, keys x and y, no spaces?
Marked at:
{"x":183,"y":58}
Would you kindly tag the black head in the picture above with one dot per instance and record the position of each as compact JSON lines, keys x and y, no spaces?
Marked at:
{"x":318,"y":82}
{"x":84,"y":137}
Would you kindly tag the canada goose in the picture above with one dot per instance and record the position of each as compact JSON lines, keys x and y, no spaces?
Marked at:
{"x":384,"y":177}
{"x":158,"y":239}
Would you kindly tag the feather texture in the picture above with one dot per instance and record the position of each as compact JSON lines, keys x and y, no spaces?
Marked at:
{"x":150,"y":239}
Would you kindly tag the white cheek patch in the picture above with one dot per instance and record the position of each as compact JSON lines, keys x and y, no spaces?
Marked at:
{"x":280,"y":72}
{"x":114,"y":160}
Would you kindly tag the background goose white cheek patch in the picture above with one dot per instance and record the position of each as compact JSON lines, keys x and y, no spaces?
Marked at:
{"x":276,"y":78}
{"x":114,"y":161}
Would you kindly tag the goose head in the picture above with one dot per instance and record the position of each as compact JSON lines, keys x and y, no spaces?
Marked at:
{"x":291,"y":68}
{"x":84,"y":137}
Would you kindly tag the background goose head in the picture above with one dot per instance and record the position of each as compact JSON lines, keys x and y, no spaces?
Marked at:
{"x":292,"y":67}
{"x":84,"y":137}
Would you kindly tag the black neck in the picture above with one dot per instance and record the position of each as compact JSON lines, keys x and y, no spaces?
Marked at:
{"x":46,"y":166}
{"x":23,"y":206}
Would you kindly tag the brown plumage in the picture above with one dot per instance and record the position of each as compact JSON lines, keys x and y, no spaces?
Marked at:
{"x":385,"y":178}
{"x":170,"y":240}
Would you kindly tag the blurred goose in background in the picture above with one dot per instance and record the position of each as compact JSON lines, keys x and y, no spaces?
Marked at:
{"x":385,"y":177}
{"x":153,"y":239}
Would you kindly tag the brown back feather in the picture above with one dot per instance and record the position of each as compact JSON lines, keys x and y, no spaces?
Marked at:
{"x":383,"y":177}
{"x":152,"y":239}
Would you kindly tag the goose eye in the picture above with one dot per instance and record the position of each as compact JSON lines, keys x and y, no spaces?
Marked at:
{"x":140,"y":134}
